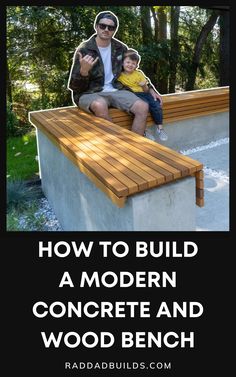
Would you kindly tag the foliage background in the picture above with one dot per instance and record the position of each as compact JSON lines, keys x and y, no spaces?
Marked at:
{"x":41,"y":41}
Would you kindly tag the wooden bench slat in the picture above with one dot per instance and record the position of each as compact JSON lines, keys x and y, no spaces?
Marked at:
{"x":165,"y":162}
{"x":95,"y":168}
{"x":151,"y":182}
{"x":165,"y":151}
{"x":144,"y":178}
{"x":107,"y":154}
{"x":169,"y":117}
{"x":193,"y":102}
{"x":151,"y":164}
{"x":112,"y":182}
{"x":118,"y":201}
{"x":203,"y":100}
{"x":186,"y":165}
{"x":183,"y":106}
{"x":189,"y":116}
{"x":179,"y":106}
{"x":134,"y":143}
{"x":196,"y":101}
{"x":200,"y":202}
{"x":186,"y":160}
{"x":199,"y":193}
{"x":192,"y":95}
{"x":197,"y":109}
{"x":108,"y":163}
{"x":105,"y":161}
{"x":113,"y":139}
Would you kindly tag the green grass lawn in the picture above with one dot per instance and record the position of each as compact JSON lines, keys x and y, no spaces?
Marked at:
{"x":22,"y":163}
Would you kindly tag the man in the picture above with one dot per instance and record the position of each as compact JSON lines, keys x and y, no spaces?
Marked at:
{"x":96,"y":66}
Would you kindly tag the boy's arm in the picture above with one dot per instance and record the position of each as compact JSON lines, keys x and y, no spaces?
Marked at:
{"x":149,"y":88}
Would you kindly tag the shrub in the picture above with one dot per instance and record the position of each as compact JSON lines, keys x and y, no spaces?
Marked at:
{"x":12,"y":122}
{"x":27,"y":219}
{"x":19,"y":193}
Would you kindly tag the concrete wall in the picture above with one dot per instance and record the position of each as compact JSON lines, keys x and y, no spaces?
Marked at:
{"x":80,"y":206}
{"x":192,"y":132}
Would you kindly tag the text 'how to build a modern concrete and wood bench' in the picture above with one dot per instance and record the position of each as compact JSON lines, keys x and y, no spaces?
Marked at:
{"x":119,"y":180}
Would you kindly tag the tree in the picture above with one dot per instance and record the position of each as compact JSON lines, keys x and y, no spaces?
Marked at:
{"x":147,"y":37}
{"x":41,"y":41}
{"x":174,"y":47}
{"x":224,"y":48}
{"x":206,"y":29}
{"x":162,"y":64}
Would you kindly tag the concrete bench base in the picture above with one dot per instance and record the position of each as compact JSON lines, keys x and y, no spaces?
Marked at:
{"x":189,"y":133}
{"x":80,"y":206}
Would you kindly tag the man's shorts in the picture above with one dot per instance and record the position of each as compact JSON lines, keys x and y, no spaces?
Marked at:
{"x":120,"y":99}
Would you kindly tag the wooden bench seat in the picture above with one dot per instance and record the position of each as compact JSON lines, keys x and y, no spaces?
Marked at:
{"x":118,"y":161}
{"x":179,"y":106}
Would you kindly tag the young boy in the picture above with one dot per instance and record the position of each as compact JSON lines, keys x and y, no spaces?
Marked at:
{"x":134,"y":79}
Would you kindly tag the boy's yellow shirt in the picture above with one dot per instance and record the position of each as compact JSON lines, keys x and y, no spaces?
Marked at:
{"x":132,"y":79}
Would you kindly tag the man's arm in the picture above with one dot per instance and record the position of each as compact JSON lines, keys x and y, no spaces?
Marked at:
{"x":152,"y":90}
{"x":148,"y":87}
{"x":155,"y":94}
{"x":79,"y":79}
{"x":144,"y":86}
{"x":86,"y":63}
{"x":143,"y":81}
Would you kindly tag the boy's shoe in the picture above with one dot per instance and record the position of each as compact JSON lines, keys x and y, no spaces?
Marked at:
{"x":149,"y":136}
{"x":162,"y":134}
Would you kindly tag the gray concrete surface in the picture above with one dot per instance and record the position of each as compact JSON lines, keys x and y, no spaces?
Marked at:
{"x":195,"y":131}
{"x":214,"y":216}
{"x":206,"y":139}
{"x":80,"y":206}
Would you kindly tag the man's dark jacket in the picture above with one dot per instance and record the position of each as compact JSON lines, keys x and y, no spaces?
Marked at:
{"x":94,"y":82}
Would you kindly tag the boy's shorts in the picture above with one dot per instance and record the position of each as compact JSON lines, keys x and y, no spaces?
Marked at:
{"x":120,"y":99}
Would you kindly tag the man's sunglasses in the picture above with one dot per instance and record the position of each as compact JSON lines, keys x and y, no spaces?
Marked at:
{"x":109,"y":27}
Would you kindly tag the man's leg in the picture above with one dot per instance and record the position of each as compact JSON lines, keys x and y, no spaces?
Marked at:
{"x":100,"y":108}
{"x":140,"y":110}
{"x":96,"y":104}
{"x":128,"y":101}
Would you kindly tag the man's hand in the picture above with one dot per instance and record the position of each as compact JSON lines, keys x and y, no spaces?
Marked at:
{"x":144,"y":86}
{"x":86,"y":63}
{"x":155,"y":95}
{"x":142,"y":83}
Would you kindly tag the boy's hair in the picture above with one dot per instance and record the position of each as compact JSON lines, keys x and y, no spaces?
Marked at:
{"x":133,"y":55}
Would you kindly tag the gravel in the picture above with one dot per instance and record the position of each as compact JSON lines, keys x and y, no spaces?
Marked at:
{"x":45,"y":210}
